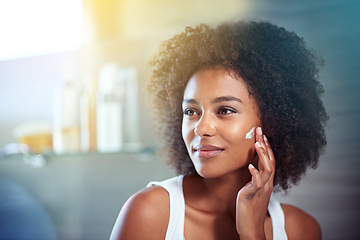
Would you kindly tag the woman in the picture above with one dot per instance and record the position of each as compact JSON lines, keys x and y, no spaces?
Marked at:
{"x":241,"y":116}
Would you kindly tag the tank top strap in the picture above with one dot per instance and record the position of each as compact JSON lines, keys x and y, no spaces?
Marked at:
{"x":174,"y":186}
{"x":278,"y":219}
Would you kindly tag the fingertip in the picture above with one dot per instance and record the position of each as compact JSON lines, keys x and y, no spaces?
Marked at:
{"x":252,"y":169}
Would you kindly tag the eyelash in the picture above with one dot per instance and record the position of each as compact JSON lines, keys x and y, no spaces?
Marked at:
{"x":221,"y":111}
{"x":228,"y":109}
{"x":189,"y":112}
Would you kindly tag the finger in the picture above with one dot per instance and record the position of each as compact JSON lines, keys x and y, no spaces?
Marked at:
{"x":256,"y":184}
{"x":253,"y":170}
{"x":269,"y":150}
{"x":259,"y":137}
{"x":264,"y":163}
{"x":264,"y":160}
{"x":271,"y":156}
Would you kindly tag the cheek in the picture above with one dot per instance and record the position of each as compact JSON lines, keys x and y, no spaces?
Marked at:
{"x":235,"y":132}
{"x":236,"y":138}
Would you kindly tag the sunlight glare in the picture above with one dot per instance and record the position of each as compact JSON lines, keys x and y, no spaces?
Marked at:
{"x":37,"y":27}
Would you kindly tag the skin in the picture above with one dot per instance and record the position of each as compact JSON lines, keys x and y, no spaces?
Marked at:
{"x":228,"y":198}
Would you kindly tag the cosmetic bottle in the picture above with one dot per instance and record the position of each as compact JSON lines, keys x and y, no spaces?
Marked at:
{"x":88,"y":117}
{"x":109,"y":109}
{"x":66,"y":128}
{"x":129,"y":82}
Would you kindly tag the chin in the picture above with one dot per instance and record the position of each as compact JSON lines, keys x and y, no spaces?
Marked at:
{"x":208,"y":172}
{"x":212,"y":172}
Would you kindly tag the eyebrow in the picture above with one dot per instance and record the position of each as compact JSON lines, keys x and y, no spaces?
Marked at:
{"x":226,"y":99}
{"x":217,"y":100}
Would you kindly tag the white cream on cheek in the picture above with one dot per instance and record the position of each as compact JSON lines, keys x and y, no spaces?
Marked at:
{"x":250,"y":134}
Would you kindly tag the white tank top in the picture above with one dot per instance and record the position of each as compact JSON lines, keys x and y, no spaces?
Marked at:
{"x":175,"y":230}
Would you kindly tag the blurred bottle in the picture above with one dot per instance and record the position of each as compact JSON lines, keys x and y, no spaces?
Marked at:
{"x":109,"y":110}
{"x":88,"y":115}
{"x":66,"y":129}
{"x":128,"y":81}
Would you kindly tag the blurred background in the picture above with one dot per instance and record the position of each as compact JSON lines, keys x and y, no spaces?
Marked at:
{"x":76,"y":131}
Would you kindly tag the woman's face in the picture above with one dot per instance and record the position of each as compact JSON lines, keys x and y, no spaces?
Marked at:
{"x":218,"y":114}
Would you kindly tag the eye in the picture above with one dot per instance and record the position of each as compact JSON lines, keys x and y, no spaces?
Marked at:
{"x":190,"y":112}
{"x":226,"y":111}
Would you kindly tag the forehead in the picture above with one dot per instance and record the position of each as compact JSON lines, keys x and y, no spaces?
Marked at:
{"x":213,"y":83}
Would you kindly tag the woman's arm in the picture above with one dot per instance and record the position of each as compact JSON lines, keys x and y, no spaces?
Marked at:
{"x":144,"y":216}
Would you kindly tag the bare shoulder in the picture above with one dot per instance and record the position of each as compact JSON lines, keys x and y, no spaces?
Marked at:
{"x":299,"y":224}
{"x":145,"y":215}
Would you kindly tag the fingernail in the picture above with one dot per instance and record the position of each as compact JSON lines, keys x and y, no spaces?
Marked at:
{"x":258,"y":144}
{"x":260,"y":131}
{"x":251,"y":166}
{"x":265,"y":139}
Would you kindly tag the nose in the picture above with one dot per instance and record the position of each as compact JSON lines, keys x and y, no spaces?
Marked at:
{"x":205,"y":127}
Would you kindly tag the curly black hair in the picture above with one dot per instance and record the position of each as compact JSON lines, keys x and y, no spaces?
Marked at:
{"x":281,"y":73}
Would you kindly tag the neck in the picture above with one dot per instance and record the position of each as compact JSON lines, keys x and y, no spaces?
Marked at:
{"x":217,"y":195}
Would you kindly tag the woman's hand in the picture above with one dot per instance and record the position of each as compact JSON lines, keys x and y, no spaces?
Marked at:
{"x":253,"y":199}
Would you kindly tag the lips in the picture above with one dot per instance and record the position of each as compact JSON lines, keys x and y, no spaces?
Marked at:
{"x":207,"y":151}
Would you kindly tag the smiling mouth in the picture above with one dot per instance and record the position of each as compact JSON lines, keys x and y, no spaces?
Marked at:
{"x":207,"y":151}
